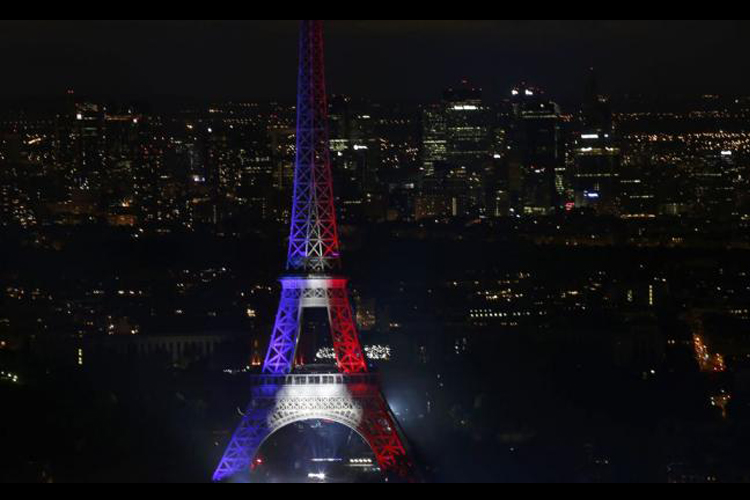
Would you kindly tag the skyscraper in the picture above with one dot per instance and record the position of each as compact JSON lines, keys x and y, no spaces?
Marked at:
{"x":89,"y":146}
{"x":456,"y":144}
{"x":537,"y":156}
{"x":467,"y":127}
{"x":434,"y":138}
{"x":596,"y":173}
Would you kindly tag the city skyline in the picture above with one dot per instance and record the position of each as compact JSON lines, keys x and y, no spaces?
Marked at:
{"x":506,"y":281}
{"x":387,"y":60}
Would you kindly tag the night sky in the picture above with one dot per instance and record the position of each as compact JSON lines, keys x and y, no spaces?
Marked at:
{"x":387,"y":60}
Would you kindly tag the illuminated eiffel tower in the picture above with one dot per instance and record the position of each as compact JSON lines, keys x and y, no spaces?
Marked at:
{"x":346,"y":394}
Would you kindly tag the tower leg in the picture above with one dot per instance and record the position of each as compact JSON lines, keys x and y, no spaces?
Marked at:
{"x":246,"y":441}
{"x":281,"y":350}
{"x":381,"y":431}
{"x":354,"y":400}
{"x":349,"y":355}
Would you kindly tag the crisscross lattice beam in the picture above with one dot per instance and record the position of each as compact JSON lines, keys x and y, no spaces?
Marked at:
{"x":313,"y":238}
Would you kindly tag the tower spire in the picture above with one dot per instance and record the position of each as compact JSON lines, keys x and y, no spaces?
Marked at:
{"x":313,"y":239}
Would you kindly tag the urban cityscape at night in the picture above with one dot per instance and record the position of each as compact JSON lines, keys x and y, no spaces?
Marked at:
{"x":437,"y":251}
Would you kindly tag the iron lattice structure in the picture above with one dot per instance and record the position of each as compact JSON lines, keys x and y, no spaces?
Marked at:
{"x":355,"y":401}
{"x":313,"y":239}
{"x":299,"y":294}
{"x":348,"y":395}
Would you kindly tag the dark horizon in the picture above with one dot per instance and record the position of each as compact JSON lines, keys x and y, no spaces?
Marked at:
{"x":389,"y":60}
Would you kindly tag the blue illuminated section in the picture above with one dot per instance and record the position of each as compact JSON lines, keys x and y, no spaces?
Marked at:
{"x":238,"y":460}
{"x":283,"y":345}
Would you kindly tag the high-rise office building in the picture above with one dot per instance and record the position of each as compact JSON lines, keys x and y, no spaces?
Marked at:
{"x":467,"y":128}
{"x":89,"y":146}
{"x":537,"y":154}
{"x":355,"y":147}
{"x":636,"y":198}
{"x":596,"y":173}
{"x":456,"y":154}
{"x":597,"y":157}
{"x":716,"y":180}
{"x":434,"y":138}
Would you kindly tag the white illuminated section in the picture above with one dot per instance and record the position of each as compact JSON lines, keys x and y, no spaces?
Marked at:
{"x":332,"y":402}
{"x":726,"y":153}
{"x":588,"y":137}
{"x":467,"y":107}
{"x":529,"y":93}
{"x":372,"y":352}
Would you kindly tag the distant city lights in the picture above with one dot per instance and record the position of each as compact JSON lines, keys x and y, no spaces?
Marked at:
{"x":9,"y":377}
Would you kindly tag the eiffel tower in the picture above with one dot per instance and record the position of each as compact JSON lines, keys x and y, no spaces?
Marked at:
{"x":347,"y":393}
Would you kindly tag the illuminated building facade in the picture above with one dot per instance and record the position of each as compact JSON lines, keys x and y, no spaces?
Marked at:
{"x":597,"y":155}
{"x":596,"y":174}
{"x":456,"y":144}
{"x":537,"y":158}
{"x":434,"y":139}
